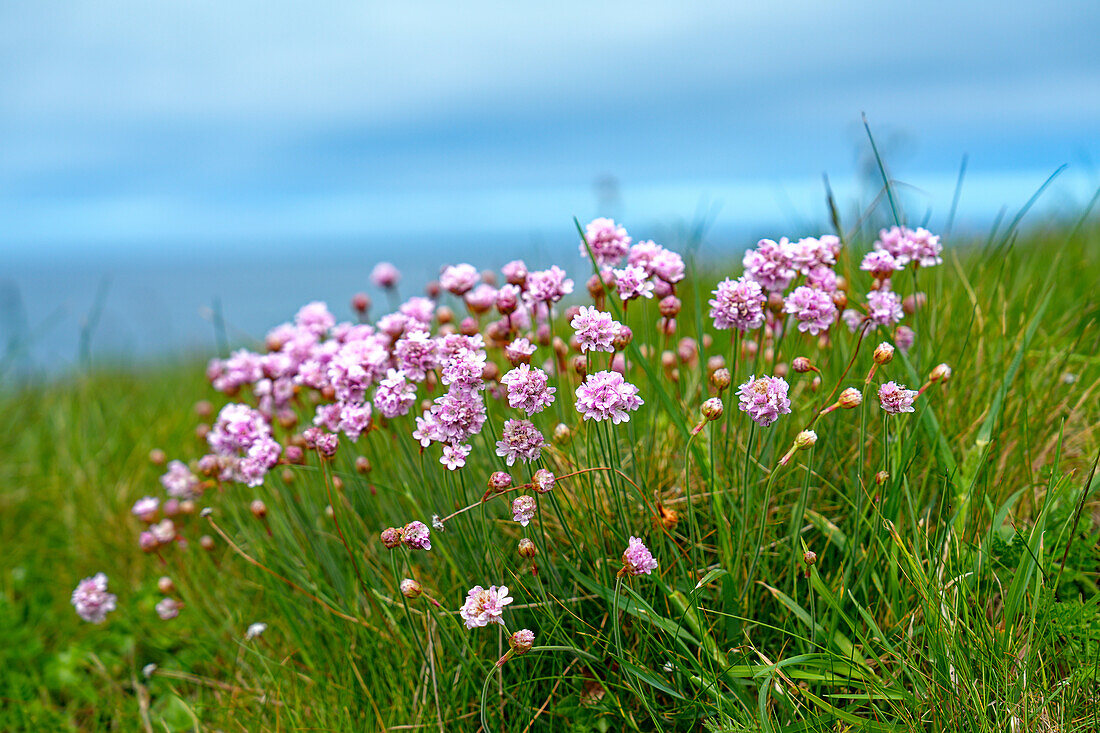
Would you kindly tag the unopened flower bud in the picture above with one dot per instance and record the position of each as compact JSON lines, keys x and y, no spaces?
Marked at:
{"x":912,"y":303}
{"x":527,"y":548}
{"x":805,"y":439}
{"x":580,"y":365}
{"x":165,"y":585}
{"x":809,"y":557}
{"x":258,"y":509}
{"x":562,"y":433}
{"x":295,"y":454}
{"x":411,"y":589}
{"x":623,"y":338}
{"x":499,"y":481}
{"x":202,"y":430}
{"x":337,"y":483}
{"x":715,"y":362}
{"x":850,"y":398}
{"x":884,"y":352}
{"x":801,"y":364}
{"x":468,"y":326}
{"x":391,"y":537}
{"x":669,"y":306}
{"x":206,"y":542}
{"x":287,"y":475}
{"x":781,"y":369}
{"x":941,"y":373}
{"x":362,"y":465}
{"x":882,"y":477}
{"x":157,"y":457}
{"x":595,"y":286}
{"x":668,"y":326}
{"x":712,"y":409}
{"x":204,"y":408}
{"x":522,"y":641}
{"x":721,"y":378}
{"x":815,"y":383}
{"x":360,"y":303}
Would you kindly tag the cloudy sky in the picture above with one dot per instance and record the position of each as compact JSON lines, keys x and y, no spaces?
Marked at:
{"x":130,"y":122}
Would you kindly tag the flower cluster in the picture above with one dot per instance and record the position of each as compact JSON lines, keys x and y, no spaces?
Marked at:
{"x":607,"y":396}
{"x":91,"y":599}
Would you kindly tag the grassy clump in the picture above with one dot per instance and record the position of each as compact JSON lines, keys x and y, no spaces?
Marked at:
{"x":955,"y":590}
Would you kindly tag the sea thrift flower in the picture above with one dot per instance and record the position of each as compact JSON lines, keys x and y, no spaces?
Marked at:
{"x":410,"y":588}
{"x":764,"y":399}
{"x":454,"y":455}
{"x":657,"y":261}
{"x":507,"y":299}
{"x":822,"y":278}
{"x":146,"y":508}
{"x":391,"y":537}
{"x":895,"y":398}
{"x":385,"y":275}
{"x":515,"y":272}
{"x":315,"y":318}
{"x":242,"y":434}
{"x":416,"y":354}
{"x":485,"y":606}
{"x":459,"y":279}
{"x":884,"y":307}
{"x":904,"y":338}
{"x":883,"y":354}
{"x":880,"y":263}
{"x":543,"y":480}
{"x":179,"y":481}
{"x":738,"y":304}
{"x":606,"y":395}
{"x":528,"y":389}
{"x":163,"y":531}
{"x":850,"y":398}
{"x":499,"y":481}
{"x":394,"y":396}
{"x":91,"y":599}
{"x":547,"y":286}
{"x":852,"y":318}
{"x":168,"y":608}
{"x":637,"y":559}
{"x":416,"y":536}
{"x":770,"y":264}
{"x":809,"y":253}
{"x":632,"y":282}
{"x":523,"y":509}
{"x":519,"y":351}
{"x":608,"y":240}
{"x":596,"y":330}
{"x":813,"y":309}
{"x":919,"y":246}
{"x":520,"y":439}
{"x":940,"y":373}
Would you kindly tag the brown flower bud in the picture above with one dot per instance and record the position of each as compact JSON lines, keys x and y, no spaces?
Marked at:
{"x":884,"y":352}
{"x":157,"y":457}
{"x":721,"y":379}
{"x":206,"y":542}
{"x":801,"y":364}
{"x":258,"y":509}
{"x":527,"y":549}
{"x":362,"y":465}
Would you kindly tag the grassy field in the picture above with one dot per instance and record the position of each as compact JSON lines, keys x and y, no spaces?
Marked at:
{"x":957,"y":593}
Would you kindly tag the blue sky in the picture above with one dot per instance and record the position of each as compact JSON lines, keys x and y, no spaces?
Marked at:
{"x":123,"y":123}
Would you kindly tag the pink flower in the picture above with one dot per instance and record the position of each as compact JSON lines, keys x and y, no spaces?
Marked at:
{"x":637,"y":559}
{"x":523,"y":509}
{"x":910,"y":245}
{"x":596,"y":330}
{"x":483,"y":297}
{"x":485,"y":606}
{"x":895,"y":398}
{"x":608,"y":240}
{"x":822,"y":278}
{"x":520,"y":439}
{"x":385,"y":275}
{"x":770,"y":264}
{"x":454,"y":456}
{"x":315,"y":318}
{"x":547,"y":286}
{"x":852,"y":318}
{"x":904,"y":338}
{"x":168,"y":608}
{"x":394,"y":395}
{"x":633,"y":282}
{"x":416,"y":354}
{"x":416,"y":536}
{"x":528,"y":389}
{"x":884,"y":307}
{"x":354,"y":419}
{"x":91,"y":599}
{"x":243,"y":435}
{"x":606,"y":395}
{"x":813,"y":309}
{"x":419,"y":309}
{"x":764,"y":399}
{"x":146,"y":508}
{"x":738,"y":304}
{"x":810,"y":253}
{"x":657,"y":261}
{"x":519,"y":351}
{"x":543,"y":480}
{"x":515,"y":272}
{"x":459,"y":279}
{"x":880,"y":263}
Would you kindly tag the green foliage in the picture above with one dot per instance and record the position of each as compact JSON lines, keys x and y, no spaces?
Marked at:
{"x":939,"y":599}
